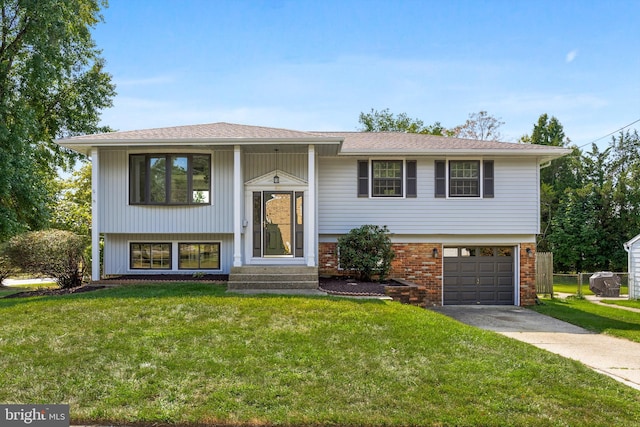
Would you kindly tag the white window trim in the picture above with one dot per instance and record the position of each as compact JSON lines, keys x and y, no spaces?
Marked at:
{"x":480,"y":196}
{"x":370,"y":161}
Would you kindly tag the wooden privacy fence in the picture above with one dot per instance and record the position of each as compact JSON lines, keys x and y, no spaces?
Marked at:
{"x":544,"y":273}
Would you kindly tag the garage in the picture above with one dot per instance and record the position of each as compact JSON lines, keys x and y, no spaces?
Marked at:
{"x":478,"y":275}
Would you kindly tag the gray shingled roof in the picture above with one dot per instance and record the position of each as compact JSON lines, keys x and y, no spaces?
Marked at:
{"x":356,"y":142}
{"x":352,"y":143}
{"x":211,"y":131}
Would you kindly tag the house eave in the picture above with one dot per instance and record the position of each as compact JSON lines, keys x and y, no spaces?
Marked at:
{"x":86,"y":145}
{"x":543,"y":155}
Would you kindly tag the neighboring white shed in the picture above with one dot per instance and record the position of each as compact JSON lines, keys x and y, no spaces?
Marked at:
{"x":633,"y":248}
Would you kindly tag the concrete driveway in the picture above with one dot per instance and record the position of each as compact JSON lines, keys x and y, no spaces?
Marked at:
{"x":615,"y":357}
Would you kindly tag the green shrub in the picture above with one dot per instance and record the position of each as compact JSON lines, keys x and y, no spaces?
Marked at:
{"x":366,"y":251}
{"x":52,"y":253}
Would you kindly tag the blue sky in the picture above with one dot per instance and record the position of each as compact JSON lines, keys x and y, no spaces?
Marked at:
{"x":315,"y":65}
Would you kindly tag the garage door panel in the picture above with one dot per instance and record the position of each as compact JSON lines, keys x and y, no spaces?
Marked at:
{"x":504,"y":267}
{"x":467,"y":267}
{"x":486,"y":278}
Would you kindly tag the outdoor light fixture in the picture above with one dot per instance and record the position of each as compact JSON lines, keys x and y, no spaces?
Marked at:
{"x":529,"y":252}
{"x":276,"y":178}
{"x":435,"y":252}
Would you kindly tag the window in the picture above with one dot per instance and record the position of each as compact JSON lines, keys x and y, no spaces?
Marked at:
{"x":465,"y":178}
{"x":389,"y":178}
{"x":170,"y":179}
{"x":151,"y":256}
{"x":199,"y":256}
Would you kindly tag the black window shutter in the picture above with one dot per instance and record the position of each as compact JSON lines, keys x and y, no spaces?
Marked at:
{"x":487,"y":187}
{"x":363,"y":178}
{"x":412,"y":178}
{"x":441,"y":178}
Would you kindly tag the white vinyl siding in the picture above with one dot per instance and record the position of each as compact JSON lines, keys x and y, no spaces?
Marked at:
{"x":513,"y":210}
{"x":634,"y":269}
{"x":117,"y":251}
{"x":118,"y":216}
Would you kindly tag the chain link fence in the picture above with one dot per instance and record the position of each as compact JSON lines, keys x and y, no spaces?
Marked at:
{"x":578,"y":283}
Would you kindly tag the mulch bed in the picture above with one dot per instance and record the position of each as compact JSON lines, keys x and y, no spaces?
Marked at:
{"x":50,"y":292}
{"x":342,"y":286}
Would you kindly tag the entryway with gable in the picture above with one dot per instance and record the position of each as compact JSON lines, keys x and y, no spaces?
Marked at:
{"x":275,"y":235}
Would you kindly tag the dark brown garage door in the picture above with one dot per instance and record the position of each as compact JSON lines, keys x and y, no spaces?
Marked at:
{"x":478,"y":275}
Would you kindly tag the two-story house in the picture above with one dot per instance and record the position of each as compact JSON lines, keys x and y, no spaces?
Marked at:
{"x":223,"y":198}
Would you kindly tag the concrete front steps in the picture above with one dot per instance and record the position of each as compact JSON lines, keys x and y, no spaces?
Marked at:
{"x":273,"y":277}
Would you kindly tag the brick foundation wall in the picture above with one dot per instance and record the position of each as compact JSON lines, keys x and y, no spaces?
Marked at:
{"x":527,"y":274}
{"x":414,"y":262}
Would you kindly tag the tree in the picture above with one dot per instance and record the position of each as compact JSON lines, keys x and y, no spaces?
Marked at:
{"x":479,"y":126}
{"x":385,"y":121}
{"x":556,"y":177}
{"x":576,"y":233}
{"x":52,"y":85}
{"x":72,"y":209}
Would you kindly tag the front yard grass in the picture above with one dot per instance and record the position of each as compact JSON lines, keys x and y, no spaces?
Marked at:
{"x":191,"y":354}
{"x":594,"y":317}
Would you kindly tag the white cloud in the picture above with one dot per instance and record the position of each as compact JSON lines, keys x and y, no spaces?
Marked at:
{"x":571,"y":56}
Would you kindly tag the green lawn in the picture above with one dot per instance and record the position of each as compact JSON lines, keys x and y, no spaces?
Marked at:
{"x":190,"y":354}
{"x":594,"y":317}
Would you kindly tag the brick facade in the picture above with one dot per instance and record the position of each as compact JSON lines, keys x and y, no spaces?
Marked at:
{"x":415,"y":262}
{"x":527,"y":274}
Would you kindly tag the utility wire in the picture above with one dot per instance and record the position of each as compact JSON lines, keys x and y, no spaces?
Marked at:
{"x":609,"y":134}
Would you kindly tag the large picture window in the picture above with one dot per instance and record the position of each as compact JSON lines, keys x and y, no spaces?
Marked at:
{"x":170,"y":179}
{"x":199,"y":256}
{"x":150,"y":256}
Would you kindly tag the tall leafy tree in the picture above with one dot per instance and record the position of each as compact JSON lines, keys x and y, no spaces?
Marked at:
{"x":52,"y":85}
{"x":386,"y":121}
{"x":555,"y":177}
{"x":72,"y":206}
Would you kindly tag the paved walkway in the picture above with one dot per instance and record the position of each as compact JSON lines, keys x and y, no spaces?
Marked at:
{"x":615,"y":357}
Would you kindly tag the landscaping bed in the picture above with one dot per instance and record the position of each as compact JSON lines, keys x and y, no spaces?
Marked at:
{"x":345,"y":286}
{"x":54,"y":291}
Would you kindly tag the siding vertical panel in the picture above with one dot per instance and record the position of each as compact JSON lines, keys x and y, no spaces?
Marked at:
{"x":116,"y":257}
{"x":117,"y":216}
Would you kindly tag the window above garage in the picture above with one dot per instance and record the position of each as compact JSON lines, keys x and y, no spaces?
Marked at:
{"x":464,"y":178}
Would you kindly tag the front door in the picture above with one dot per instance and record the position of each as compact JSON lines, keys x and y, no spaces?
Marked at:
{"x":277,"y":224}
